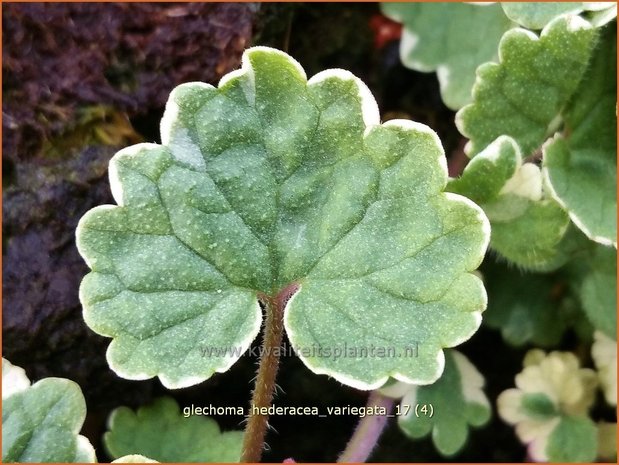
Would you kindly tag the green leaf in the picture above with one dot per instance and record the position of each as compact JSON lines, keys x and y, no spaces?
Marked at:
{"x":594,"y":274}
{"x":161,"y":432}
{"x":538,"y":406}
{"x":527,"y":227}
{"x":532,"y":240}
{"x":522,"y":96}
{"x":535,"y":15}
{"x":457,"y":401}
{"x":528,"y":308}
{"x":451,"y":39}
{"x":580,"y":165}
{"x":574,"y":439}
{"x":599,"y":291}
{"x":271,"y":180}
{"x":40,"y":423}
{"x":485,"y":175}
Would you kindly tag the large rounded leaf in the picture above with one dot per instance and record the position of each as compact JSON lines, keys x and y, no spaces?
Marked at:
{"x":269,"y":180}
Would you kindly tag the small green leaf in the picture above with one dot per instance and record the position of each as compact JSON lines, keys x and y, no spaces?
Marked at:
{"x":457,"y":401}
{"x":574,"y":439}
{"x":535,"y":15}
{"x":451,"y":39}
{"x":485,"y":175}
{"x":522,"y":96}
{"x":599,"y":291}
{"x":595,"y":281}
{"x":161,"y":432}
{"x":581,"y":164}
{"x":528,"y":308}
{"x":270,"y":180}
{"x":40,"y":423}
{"x":527,"y":227}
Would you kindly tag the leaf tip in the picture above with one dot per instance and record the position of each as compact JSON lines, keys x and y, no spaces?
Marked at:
{"x":369,"y":107}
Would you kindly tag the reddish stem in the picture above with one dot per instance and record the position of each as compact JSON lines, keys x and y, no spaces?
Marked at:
{"x":264,"y":387}
{"x":368,"y":432}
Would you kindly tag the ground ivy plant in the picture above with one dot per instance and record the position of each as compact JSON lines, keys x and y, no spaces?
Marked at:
{"x":277,"y":190}
{"x":280,"y":202}
{"x":551,"y":88}
{"x":540,"y":119}
{"x":536,"y":99}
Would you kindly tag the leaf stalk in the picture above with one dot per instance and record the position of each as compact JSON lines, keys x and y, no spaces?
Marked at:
{"x":264,"y":387}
